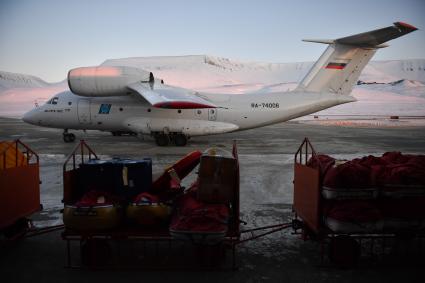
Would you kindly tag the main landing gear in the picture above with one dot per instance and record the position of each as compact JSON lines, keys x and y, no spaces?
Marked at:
{"x":122,"y":133}
{"x":162,"y":139}
{"x":68,"y":137}
{"x":178,"y":139}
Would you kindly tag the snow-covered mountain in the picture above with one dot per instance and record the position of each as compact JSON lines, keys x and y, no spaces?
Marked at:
{"x":390,"y":71}
{"x":203,"y":71}
{"x":19,"y":92}
{"x":384,"y":83}
{"x":10,"y":80}
{"x":13,"y":80}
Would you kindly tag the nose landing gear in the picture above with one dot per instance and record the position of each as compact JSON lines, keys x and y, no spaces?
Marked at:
{"x":68,"y":137}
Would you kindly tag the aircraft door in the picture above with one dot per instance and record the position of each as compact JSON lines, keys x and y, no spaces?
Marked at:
{"x":212,"y":114}
{"x":84,"y":116}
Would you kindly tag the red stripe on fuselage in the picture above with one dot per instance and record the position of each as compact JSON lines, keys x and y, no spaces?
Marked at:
{"x":181,"y":105}
{"x":335,"y":67}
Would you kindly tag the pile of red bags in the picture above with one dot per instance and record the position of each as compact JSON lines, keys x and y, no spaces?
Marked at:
{"x":353,"y":211}
{"x":397,"y":199}
{"x":391,"y":169}
{"x":97,"y":198}
{"x":194,"y":216}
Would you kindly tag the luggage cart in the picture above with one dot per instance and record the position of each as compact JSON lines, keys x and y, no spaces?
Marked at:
{"x":20,"y":191}
{"x":152,"y":247}
{"x":19,"y":187}
{"x":342,"y":248}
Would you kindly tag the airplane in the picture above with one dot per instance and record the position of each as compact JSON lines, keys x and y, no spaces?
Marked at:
{"x":124,"y":99}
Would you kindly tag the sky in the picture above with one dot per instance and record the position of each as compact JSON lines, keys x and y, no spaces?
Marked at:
{"x":46,"y":38}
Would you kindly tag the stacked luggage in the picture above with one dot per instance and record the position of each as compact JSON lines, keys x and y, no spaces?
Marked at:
{"x":107,"y":195}
{"x":372,"y":194}
{"x":203,"y":213}
{"x":103,"y":189}
{"x":154,"y":207}
{"x":95,"y":211}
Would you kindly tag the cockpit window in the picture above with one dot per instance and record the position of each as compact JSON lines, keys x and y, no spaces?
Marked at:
{"x":53,"y":100}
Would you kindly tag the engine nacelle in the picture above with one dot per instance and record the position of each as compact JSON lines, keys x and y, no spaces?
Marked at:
{"x":106,"y":80}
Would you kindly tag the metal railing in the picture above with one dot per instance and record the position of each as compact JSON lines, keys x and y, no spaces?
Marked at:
{"x":22,"y":148}
{"x":304,"y":152}
{"x":82,"y":148}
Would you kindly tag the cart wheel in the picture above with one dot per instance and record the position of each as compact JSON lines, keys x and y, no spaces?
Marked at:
{"x":95,"y":252}
{"x":17,"y":229}
{"x":209,"y":256}
{"x":217,"y":254}
{"x":344,"y":251}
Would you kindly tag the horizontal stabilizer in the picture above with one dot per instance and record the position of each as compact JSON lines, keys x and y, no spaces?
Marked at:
{"x":376,"y":37}
{"x":332,"y":41}
{"x":371,"y":39}
{"x":324,"y":41}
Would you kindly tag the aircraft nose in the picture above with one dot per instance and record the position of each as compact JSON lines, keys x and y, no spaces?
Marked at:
{"x":29,"y":117}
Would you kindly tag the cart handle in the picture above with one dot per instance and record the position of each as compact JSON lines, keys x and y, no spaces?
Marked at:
{"x":80,"y":146}
{"x":29,"y":152}
{"x":305,"y":150}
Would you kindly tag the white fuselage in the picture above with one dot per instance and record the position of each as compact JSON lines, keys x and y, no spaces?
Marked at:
{"x":131,"y":113}
{"x":123,"y":98}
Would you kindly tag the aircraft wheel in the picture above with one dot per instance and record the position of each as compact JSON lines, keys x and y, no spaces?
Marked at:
{"x":180,"y":139}
{"x":17,"y":229}
{"x":344,"y":251}
{"x":162,"y":139}
{"x":71,"y":137}
{"x":68,"y":137}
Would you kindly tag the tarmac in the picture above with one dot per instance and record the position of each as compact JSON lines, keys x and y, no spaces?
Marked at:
{"x":266,"y":172}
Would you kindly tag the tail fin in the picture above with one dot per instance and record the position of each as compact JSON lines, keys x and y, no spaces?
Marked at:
{"x":339,"y":67}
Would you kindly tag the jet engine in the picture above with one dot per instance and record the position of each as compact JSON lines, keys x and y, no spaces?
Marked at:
{"x":106,"y":80}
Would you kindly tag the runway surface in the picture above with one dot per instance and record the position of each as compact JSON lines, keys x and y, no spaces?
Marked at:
{"x":266,"y":169}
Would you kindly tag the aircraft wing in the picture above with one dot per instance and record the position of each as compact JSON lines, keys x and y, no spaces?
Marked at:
{"x":169,"y":97}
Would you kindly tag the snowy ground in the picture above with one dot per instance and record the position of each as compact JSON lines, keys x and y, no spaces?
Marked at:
{"x":266,"y":163}
{"x":266,"y":167}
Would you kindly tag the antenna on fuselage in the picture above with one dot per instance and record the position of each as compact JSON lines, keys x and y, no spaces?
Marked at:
{"x":151,"y":80}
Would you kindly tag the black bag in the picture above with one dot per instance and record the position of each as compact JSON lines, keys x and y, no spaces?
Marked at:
{"x":96,"y":175}
{"x":132,"y":177}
